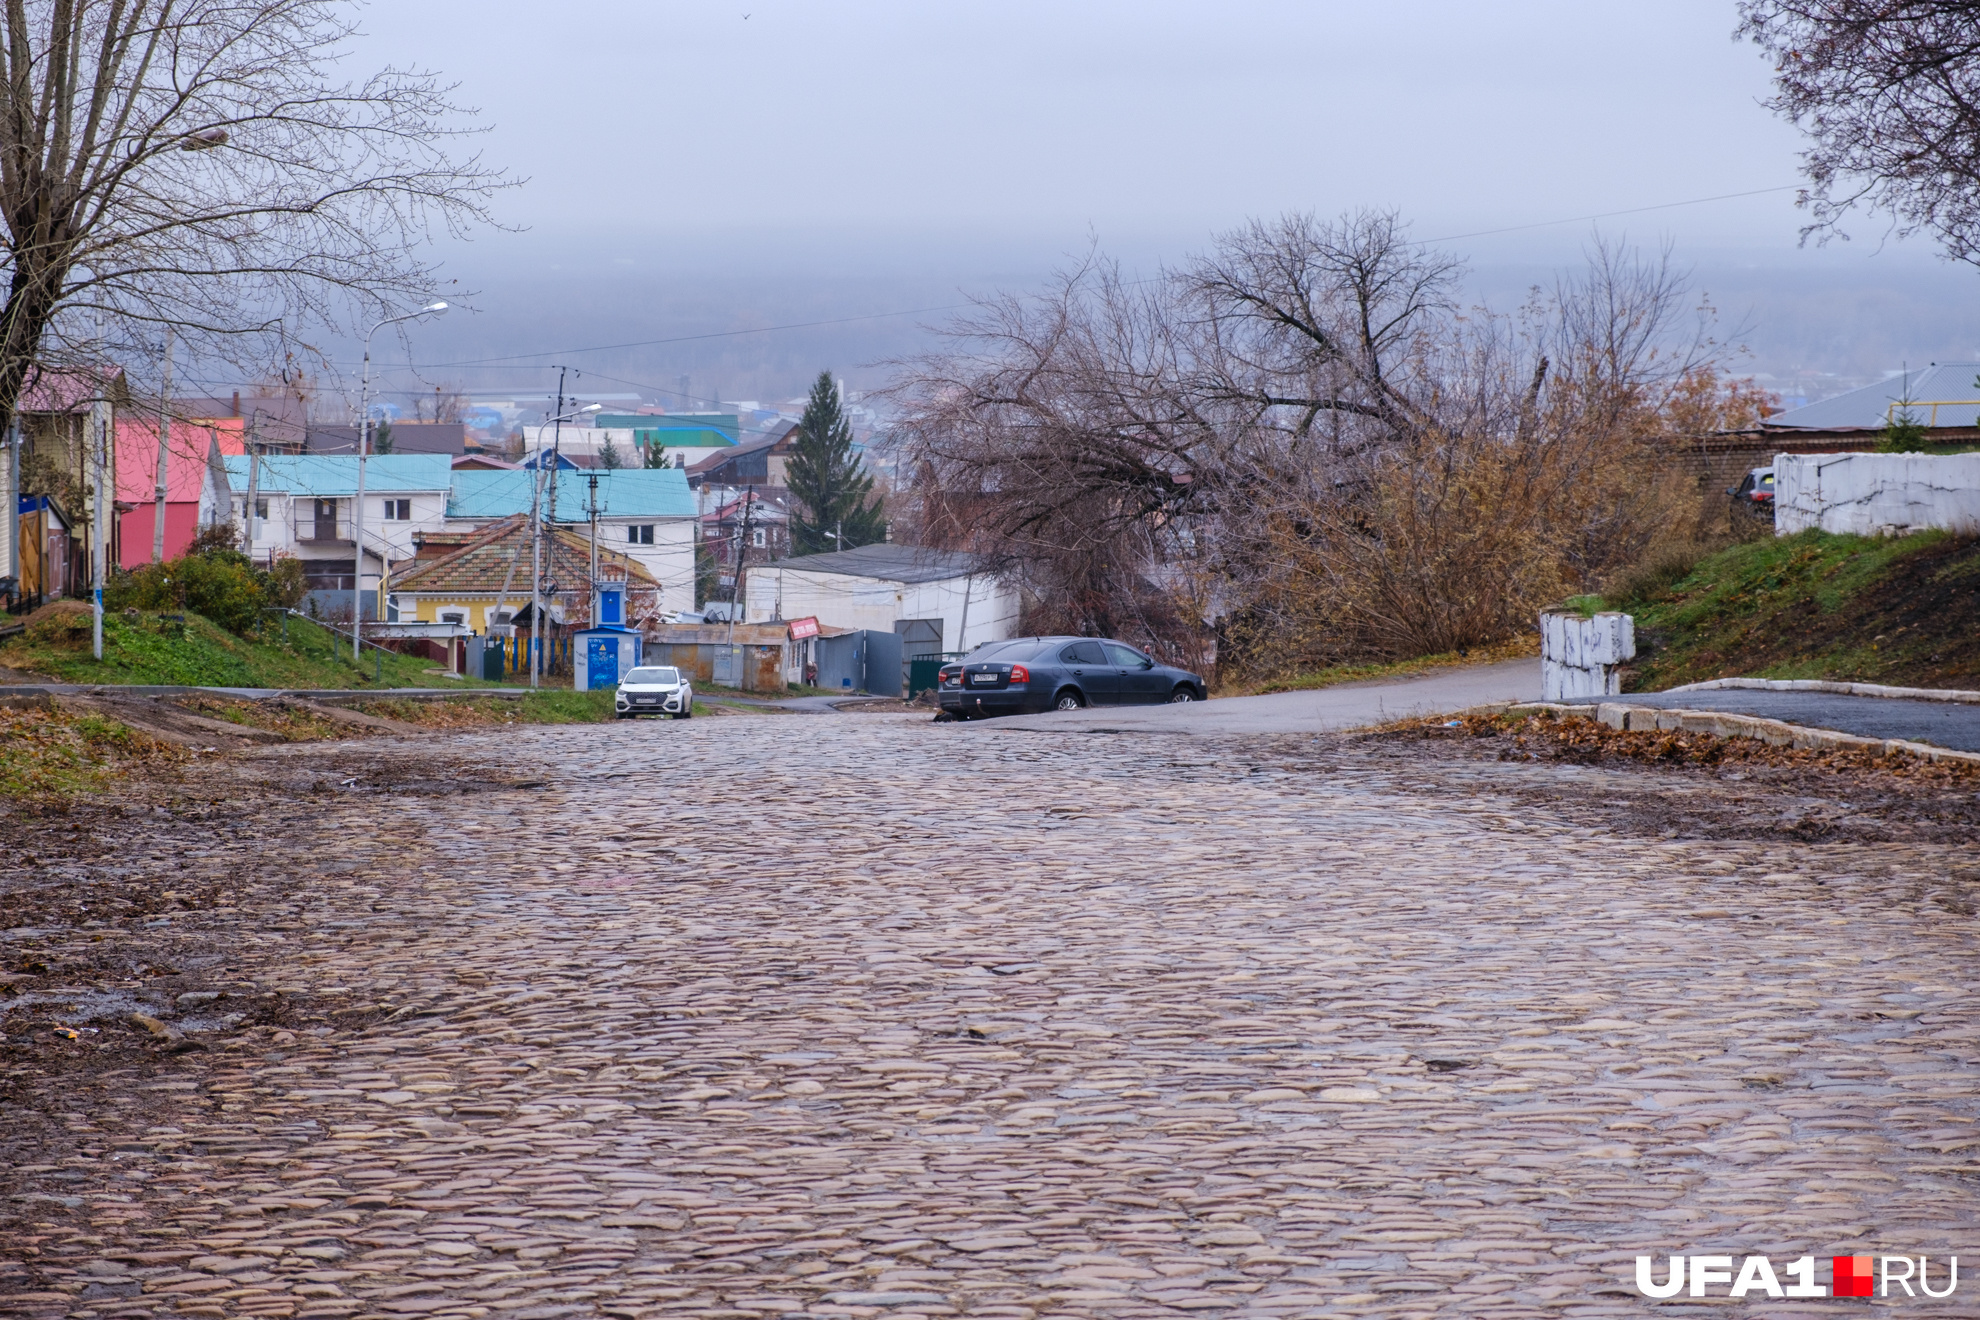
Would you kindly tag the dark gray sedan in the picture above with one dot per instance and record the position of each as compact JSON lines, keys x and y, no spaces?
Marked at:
{"x":1028,"y":674}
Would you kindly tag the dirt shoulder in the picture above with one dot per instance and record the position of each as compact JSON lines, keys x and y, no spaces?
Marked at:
{"x":1684,"y":785}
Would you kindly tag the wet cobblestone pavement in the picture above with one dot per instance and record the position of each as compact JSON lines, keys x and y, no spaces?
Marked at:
{"x":872,"y":1017}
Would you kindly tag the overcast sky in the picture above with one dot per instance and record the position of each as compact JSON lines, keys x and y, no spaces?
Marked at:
{"x":697,"y":166}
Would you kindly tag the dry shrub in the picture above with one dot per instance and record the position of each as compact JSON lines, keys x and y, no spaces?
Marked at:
{"x":64,"y":623}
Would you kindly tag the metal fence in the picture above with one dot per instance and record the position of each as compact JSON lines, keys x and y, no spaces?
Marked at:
{"x":504,"y":658}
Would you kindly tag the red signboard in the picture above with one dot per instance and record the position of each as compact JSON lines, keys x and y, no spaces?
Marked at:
{"x":803,"y":628}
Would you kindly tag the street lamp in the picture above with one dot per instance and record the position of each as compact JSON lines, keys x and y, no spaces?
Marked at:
{"x":536,"y":536}
{"x":357,"y":505}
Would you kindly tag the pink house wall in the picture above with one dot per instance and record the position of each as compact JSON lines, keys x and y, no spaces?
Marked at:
{"x":134,"y":532}
{"x":185,"y":472}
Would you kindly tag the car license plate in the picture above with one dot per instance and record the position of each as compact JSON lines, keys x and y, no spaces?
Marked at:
{"x":982,"y":678}
{"x":647,"y":701}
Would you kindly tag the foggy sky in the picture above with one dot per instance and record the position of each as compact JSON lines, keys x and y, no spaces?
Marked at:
{"x":691,"y":170}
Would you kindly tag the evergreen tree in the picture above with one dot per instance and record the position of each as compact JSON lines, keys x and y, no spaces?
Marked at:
{"x":832,"y":492}
{"x":609,"y":456}
{"x":1903,"y":434}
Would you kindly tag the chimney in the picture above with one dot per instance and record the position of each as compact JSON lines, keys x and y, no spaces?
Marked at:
{"x":237,"y":404}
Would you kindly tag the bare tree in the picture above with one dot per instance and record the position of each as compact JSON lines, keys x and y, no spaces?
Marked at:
{"x":1301,"y":442}
{"x":1889,"y":93}
{"x":200,"y":165}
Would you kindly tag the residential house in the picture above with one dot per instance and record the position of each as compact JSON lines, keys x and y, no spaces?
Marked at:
{"x":480,"y":580}
{"x":753,"y":527}
{"x":50,"y":525}
{"x":1944,"y":398}
{"x":683,"y":439}
{"x":275,"y":423}
{"x":888,"y":588}
{"x":190,"y":500}
{"x":303,"y":507}
{"x":645,"y":512}
{"x":763,"y":463}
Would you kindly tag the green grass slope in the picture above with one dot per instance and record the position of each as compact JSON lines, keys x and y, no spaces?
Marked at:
{"x":1898,"y":610}
{"x":152,"y":648}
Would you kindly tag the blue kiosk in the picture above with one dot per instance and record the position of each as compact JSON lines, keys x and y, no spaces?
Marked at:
{"x":602,"y":656}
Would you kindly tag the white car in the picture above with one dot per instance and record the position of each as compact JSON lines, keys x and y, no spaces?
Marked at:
{"x":654,"y":690}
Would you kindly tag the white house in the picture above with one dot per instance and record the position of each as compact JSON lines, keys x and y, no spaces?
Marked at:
{"x":303,"y":508}
{"x":881,"y":586}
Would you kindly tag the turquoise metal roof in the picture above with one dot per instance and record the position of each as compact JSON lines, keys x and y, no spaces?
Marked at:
{"x":622,"y":493}
{"x":332,"y":476}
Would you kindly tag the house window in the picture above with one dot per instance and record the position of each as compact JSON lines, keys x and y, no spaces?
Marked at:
{"x":640,"y":535}
{"x":447,"y":616}
{"x":759,"y":536}
{"x":398,"y":510}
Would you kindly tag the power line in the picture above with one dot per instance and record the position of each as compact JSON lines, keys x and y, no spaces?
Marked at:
{"x":1605,"y":215}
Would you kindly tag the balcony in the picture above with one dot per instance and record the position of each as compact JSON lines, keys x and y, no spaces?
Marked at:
{"x":321,"y":522}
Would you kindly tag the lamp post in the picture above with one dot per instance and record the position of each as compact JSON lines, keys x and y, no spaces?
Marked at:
{"x":536,"y":537}
{"x":357,"y":504}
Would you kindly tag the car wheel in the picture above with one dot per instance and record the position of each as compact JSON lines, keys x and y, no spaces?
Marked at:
{"x":1183,"y":692}
{"x":1067,"y":700}
{"x":686,"y":715}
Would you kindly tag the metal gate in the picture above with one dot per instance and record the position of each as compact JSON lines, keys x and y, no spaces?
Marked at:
{"x":883,"y":663}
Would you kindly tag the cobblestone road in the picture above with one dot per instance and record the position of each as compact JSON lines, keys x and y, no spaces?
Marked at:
{"x":850,"y":1017}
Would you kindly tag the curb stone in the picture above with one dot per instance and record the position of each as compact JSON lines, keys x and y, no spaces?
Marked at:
{"x":1725,"y":724}
{"x":1824,"y":685}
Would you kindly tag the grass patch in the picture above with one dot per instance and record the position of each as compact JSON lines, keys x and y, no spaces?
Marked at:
{"x":53,"y":753}
{"x":1899,"y":610}
{"x":150,"y":648}
{"x":1514,"y":649}
{"x":552,"y":706}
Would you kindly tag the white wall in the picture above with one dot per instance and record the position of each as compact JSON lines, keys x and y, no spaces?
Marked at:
{"x":1875,"y":494}
{"x":586,"y":441}
{"x":840,"y":600}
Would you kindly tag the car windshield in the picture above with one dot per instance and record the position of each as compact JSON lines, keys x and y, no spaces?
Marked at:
{"x":657,"y":676}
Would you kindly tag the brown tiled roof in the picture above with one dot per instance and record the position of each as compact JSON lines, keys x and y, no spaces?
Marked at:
{"x":480,"y":564}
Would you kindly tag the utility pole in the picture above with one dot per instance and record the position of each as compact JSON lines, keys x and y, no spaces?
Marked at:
{"x":254,"y":482}
{"x":737,"y":599}
{"x":536,"y":628}
{"x":594,"y":553}
{"x":99,"y":422}
{"x":164,"y":440}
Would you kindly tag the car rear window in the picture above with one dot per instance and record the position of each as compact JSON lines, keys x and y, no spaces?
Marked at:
{"x":1083,"y":653}
{"x":1001,"y":651}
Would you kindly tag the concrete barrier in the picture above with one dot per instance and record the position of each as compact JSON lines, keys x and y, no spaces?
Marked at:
{"x":1876,"y":494}
{"x":1578,"y":656}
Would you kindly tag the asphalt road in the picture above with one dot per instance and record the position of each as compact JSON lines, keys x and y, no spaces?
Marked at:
{"x":1941,"y":723}
{"x":1346,"y":706}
